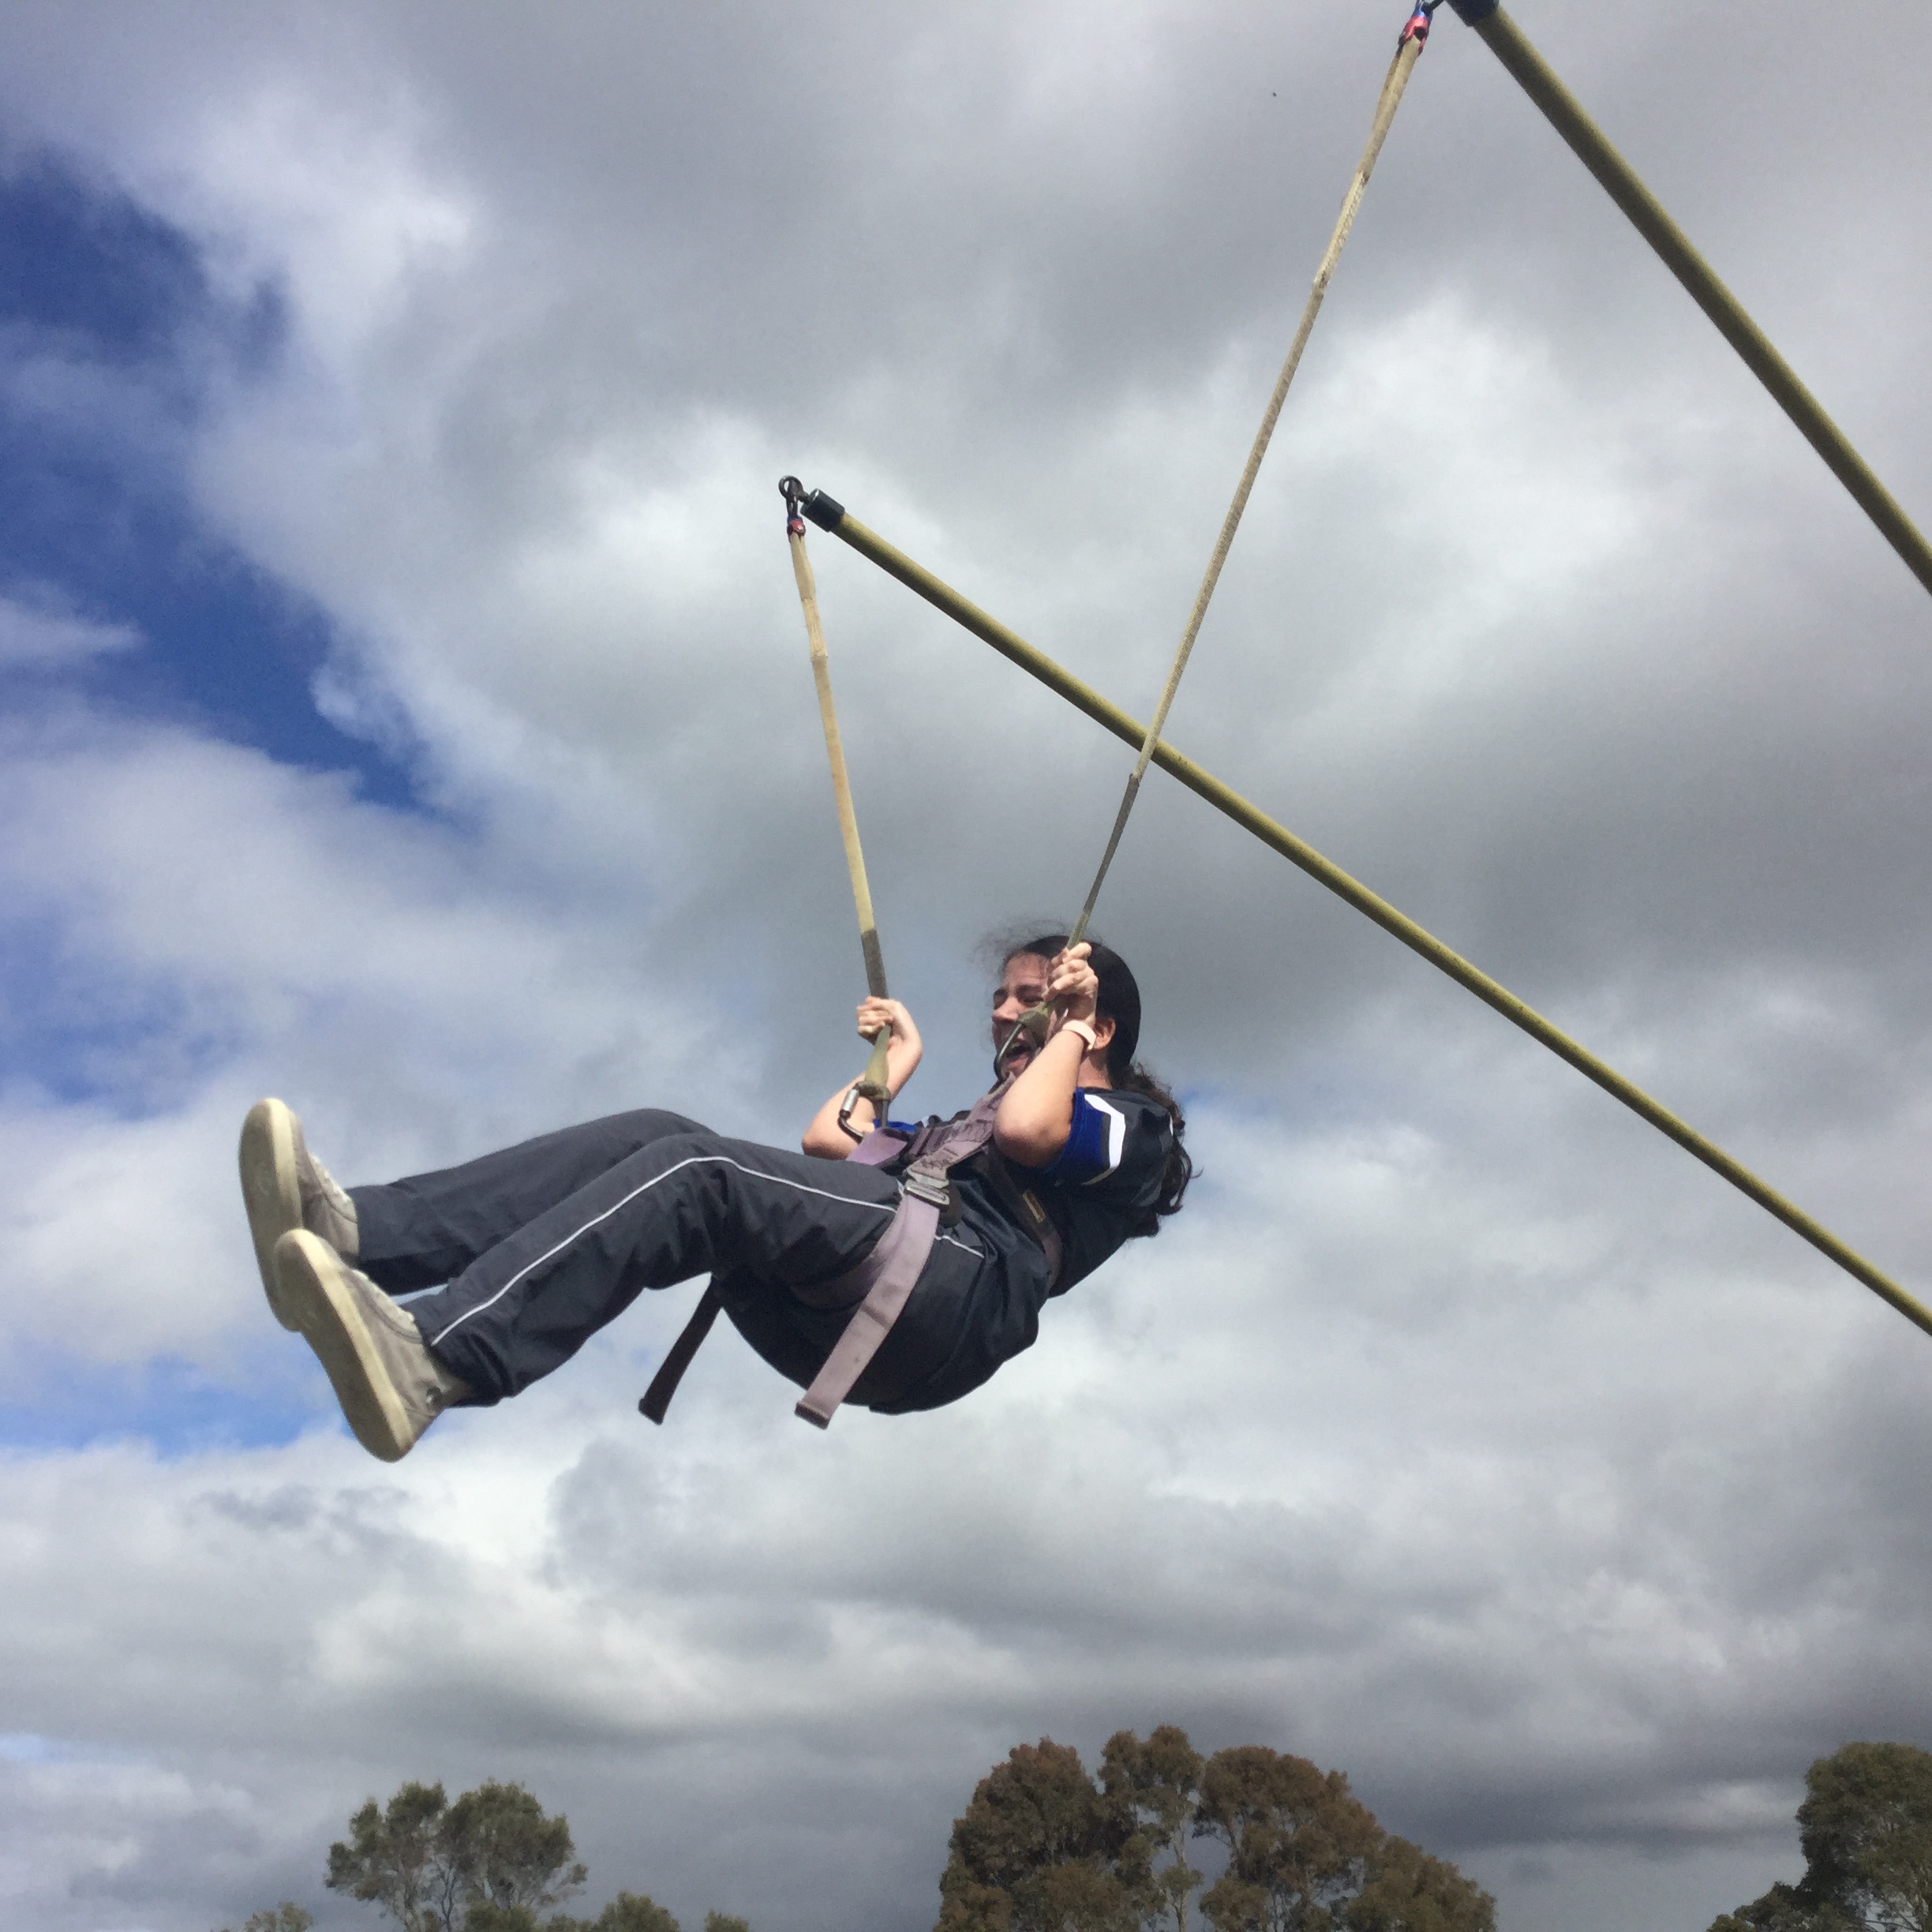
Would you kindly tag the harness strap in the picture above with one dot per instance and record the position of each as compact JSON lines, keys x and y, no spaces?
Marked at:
{"x":1026,"y":1208}
{"x":671,"y":1371}
{"x":884,"y":1281}
{"x":882,"y":1144}
{"x":893,"y":1268}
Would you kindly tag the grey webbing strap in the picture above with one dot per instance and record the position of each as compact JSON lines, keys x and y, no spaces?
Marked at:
{"x":1027,"y":1209}
{"x":663,"y":1383}
{"x":894,"y":1266}
{"x":885,"y":1279}
{"x":880,"y":1146}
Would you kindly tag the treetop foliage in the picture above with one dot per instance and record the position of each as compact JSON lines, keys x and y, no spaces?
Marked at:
{"x":430,"y":1864}
{"x":1041,"y":1848}
{"x":286,"y":1917}
{"x":1866,"y":1831}
{"x":629,"y":1911}
{"x":491,"y":1861}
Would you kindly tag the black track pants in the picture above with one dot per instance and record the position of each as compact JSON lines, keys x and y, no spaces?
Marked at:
{"x":543,"y":1244}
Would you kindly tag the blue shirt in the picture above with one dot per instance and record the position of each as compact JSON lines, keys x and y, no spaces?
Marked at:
{"x":1100,"y":1189}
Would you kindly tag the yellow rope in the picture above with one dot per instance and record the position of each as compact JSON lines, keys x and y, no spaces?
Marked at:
{"x":1010,"y":645}
{"x":1393,"y":84}
{"x":873,"y":1085}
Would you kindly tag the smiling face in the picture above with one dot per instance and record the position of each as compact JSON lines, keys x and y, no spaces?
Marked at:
{"x":1023,"y":986}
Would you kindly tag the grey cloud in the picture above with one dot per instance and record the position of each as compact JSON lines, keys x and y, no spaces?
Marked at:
{"x":1461,"y":1433}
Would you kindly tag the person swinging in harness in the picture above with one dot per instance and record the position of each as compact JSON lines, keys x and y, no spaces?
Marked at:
{"x":893,"y":1266}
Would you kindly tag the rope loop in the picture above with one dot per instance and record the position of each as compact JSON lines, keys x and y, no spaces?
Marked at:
{"x":794,"y":493}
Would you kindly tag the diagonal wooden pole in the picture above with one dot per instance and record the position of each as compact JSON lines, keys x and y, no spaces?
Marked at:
{"x":1619,"y":180}
{"x":831,"y":516}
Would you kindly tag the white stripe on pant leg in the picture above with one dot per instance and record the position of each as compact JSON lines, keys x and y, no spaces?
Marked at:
{"x":695,"y":1161}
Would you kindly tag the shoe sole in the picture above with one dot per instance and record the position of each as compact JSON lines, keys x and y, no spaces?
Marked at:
{"x":314,"y":1288}
{"x":270,"y":1191}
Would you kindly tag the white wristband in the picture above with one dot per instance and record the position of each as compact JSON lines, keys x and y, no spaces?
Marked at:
{"x":1083,"y":1030}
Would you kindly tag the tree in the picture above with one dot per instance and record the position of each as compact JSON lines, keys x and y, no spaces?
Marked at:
{"x":1866,"y":1831}
{"x":1039,"y":1849}
{"x":489,"y":1863}
{"x":1409,"y":1891}
{"x":1157,"y":1779}
{"x":509,"y":1854}
{"x":391,"y":1859}
{"x":286,"y":1917}
{"x":1298,"y":1841}
{"x":629,"y":1911}
{"x":723,"y":1922}
{"x":1783,"y":1909}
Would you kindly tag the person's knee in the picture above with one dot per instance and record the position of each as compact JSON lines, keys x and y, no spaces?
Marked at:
{"x":691,"y":1159}
{"x":630,"y":1133}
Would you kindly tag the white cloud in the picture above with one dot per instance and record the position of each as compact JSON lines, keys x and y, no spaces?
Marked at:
{"x":269,"y":931}
{"x":37,"y":630}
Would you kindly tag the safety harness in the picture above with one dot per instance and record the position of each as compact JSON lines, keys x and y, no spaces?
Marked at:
{"x":877,"y":1288}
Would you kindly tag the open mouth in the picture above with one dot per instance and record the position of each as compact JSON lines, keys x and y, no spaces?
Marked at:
{"x":1010,"y":1050}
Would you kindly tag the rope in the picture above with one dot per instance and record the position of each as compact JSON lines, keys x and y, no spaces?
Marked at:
{"x":1408,"y":50}
{"x":1325,"y":872}
{"x":1593,"y":148}
{"x":872,"y":1085}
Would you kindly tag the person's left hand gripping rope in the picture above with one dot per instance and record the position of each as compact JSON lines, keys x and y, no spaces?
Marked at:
{"x":903,"y":1053}
{"x":1072,"y":988}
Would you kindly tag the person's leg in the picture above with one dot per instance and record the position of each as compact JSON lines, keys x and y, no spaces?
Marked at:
{"x":678,"y":1206}
{"x":422,"y":1232}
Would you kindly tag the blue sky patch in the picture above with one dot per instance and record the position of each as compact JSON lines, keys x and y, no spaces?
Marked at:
{"x":111,"y":336}
{"x":178,"y":1408}
{"x":88,"y":1032}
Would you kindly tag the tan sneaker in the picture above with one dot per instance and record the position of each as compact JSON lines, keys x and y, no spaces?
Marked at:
{"x":390,"y":1387}
{"x":284,"y":1186}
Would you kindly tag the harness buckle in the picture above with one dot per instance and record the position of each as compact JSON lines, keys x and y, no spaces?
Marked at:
{"x":935,"y":1188}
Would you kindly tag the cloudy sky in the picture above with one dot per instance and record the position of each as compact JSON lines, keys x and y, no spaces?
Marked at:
{"x":405,"y":710}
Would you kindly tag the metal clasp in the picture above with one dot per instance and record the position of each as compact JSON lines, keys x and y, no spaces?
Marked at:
{"x":935,"y":1188}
